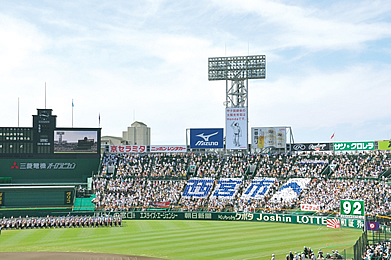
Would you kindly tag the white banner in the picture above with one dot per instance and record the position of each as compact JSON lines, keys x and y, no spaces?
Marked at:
{"x":309,"y":207}
{"x":128,"y":149}
{"x":168,"y":148}
{"x":263,"y":137}
{"x":236,"y":128}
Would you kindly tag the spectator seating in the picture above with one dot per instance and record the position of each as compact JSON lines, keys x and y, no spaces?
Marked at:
{"x":258,"y":188}
{"x":290,"y":190}
{"x":227,"y":188}
{"x":276,"y":181}
{"x":198,"y":187}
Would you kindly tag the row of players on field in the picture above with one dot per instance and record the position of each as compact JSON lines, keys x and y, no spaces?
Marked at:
{"x":60,"y":222}
{"x":308,"y":253}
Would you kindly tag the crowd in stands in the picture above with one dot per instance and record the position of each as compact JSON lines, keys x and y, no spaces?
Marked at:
{"x":327,"y":193}
{"x":134,"y":165}
{"x":207,"y":165}
{"x":125,"y":194}
{"x":380,"y":251}
{"x":321,"y":178}
{"x":293,"y":165}
{"x":236,"y":166}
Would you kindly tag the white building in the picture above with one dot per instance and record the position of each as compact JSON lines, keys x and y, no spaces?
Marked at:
{"x":137,"y":134}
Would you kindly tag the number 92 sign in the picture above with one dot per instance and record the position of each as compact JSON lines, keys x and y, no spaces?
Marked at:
{"x":352,"y":208}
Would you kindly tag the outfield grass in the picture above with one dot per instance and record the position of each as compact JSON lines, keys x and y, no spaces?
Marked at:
{"x":183,"y":239}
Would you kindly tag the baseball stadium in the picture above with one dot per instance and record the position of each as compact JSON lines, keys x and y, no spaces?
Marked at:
{"x":150,"y":130}
{"x":65,"y":195}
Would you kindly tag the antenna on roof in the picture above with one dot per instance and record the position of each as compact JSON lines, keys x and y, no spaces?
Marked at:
{"x":45,"y":95}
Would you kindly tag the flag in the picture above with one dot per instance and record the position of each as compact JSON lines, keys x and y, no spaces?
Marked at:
{"x":333,"y":223}
{"x":99,"y":118}
{"x":372,"y":225}
{"x":72,"y":103}
{"x":332,"y":136}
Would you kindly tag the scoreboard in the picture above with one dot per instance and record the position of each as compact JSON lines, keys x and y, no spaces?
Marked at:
{"x":352,"y":208}
{"x":47,"y":154}
{"x":37,"y":196}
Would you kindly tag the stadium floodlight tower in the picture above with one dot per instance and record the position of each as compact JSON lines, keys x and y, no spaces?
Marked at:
{"x":236,"y":71}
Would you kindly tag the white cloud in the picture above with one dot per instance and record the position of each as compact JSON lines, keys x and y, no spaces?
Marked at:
{"x":18,"y":41}
{"x":314,"y":28}
{"x":353,"y":95}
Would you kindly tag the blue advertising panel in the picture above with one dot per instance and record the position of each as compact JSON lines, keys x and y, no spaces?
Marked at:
{"x":206,"y":138}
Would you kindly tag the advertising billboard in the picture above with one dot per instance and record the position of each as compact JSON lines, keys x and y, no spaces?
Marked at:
{"x":75,"y":141}
{"x":206,"y":138}
{"x":61,"y":170}
{"x":354,"y":146}
{"x":384,"y":145}
{"x":236,"y":128}
{"x":264,"y":137}
{"x":306,"y":147}
{"x":167,"y":148}
{"x":127,"y":149}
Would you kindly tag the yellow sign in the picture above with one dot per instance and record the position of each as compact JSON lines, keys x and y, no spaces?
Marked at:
{"x":261,"y":141}
{"x":384,"y":145}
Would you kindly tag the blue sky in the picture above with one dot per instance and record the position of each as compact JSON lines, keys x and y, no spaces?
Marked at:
{"x":328,"y":65}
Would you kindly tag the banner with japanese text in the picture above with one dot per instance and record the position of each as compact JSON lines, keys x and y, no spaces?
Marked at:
{"x":167,"y":148}
{"x":128,"y":149}
{"x":236,"y":128}
{"x":354,"y":146}
{"x":310,"y":207}
{"x":241,"y":216}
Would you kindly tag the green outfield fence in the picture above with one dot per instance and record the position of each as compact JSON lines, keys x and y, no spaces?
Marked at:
{"x":354,"y":252}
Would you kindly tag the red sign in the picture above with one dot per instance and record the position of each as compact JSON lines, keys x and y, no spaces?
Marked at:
{"x":161,"y":204}
{"x":128,"y":148}
{"x":333,"y":223}
{"x":310,"y":207}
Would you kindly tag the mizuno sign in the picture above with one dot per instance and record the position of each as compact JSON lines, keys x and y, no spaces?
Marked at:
{"x":206,"y":138}
{"x":206,"y":143}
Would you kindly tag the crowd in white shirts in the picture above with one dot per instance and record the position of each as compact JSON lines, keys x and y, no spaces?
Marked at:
{"x":380,"y":251}
{"x":140,"y":180}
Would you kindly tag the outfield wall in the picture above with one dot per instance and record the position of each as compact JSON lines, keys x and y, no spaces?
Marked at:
{"x":232,"y":216}
{"x":216,"y":216}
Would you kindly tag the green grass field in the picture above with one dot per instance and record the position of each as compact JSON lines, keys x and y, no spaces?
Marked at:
{"x":183,"y":239}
